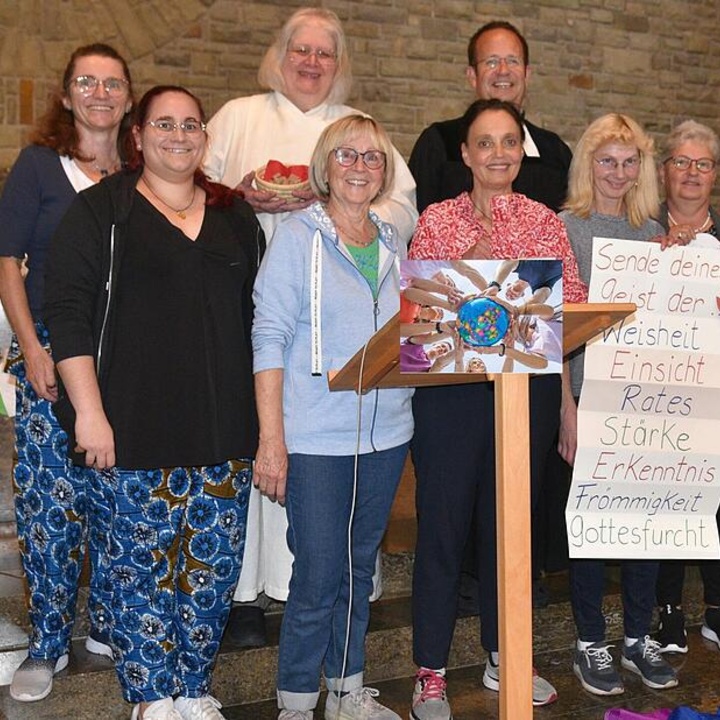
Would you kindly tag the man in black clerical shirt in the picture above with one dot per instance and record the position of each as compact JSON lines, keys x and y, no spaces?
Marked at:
{"x":497,"y":68}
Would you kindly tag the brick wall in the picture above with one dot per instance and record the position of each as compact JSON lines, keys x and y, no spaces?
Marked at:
{"x":658,"y":60}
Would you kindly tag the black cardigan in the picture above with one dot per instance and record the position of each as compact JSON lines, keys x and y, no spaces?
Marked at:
{"x":84,"y":279}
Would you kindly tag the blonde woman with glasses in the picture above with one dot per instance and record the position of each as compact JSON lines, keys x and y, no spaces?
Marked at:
{"x":613,"y":192}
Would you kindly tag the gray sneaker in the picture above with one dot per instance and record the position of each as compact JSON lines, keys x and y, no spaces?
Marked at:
{"x":33,"y":680}
{"x":358,"y":704}
{"x":543,"y":693}
{"x":595,"y":671}
{"x":295,"y":715}
{"x":644,"y":658}
{"x":429,"y":697}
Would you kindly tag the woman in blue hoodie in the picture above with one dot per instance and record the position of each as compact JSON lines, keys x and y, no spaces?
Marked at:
{"x":329,"y":281}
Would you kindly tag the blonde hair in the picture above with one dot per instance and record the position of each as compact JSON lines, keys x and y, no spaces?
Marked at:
{"x":270,"y":72}
{"x":336,"y":135}
{"x":642,"y":200}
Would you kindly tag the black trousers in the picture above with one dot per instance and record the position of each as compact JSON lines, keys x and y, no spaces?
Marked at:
{"x":453,"y":451}
{"x":671,"y":579}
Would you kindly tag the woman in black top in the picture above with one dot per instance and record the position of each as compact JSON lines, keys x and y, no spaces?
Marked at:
{"x":149,"y":300}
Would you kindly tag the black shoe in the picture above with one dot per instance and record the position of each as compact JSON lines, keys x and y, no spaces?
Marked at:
{"x":540,"y":594}
{"x":671,"y":634}
{"x":246,"y":626}
{"x":711,"y":627}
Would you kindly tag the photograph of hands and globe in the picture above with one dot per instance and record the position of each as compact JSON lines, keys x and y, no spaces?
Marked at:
{"x":481,"y":316}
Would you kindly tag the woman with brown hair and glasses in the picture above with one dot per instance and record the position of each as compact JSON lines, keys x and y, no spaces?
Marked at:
{"x":78,"y":141}
{"x":149,"y":302}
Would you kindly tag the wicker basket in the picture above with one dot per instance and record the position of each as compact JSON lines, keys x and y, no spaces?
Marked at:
{"x":282,"y":189}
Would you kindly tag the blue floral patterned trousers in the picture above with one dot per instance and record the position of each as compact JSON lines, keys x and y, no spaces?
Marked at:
{"x":174,"y":551}
{"x":51,"y":515}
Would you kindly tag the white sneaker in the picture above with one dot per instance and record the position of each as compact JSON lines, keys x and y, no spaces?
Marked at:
{"x":157,"y":710}
{"x":98,"y":647}
{"x":33,"y":680}
{"x":295,"y":715}
{"x":359,"y":704}
{"x":202,"y":708}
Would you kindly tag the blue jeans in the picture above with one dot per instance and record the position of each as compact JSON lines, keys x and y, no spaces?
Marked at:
{"x":319,"y":501}
{"x":587,"y":585}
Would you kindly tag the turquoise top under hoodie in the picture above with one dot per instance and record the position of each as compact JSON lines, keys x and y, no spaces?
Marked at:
{"x":317,"y":421}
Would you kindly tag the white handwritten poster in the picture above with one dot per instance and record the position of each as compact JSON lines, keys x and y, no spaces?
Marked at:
{"x":646,"y":481}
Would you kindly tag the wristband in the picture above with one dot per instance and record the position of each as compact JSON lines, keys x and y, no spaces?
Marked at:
{"x":494,"y":283}
{"x":502,"y":345}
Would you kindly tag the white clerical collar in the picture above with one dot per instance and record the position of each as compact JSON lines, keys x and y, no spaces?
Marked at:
{"x":529,"y":145}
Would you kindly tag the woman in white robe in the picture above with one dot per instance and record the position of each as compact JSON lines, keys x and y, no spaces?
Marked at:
{"x":308,"y":71}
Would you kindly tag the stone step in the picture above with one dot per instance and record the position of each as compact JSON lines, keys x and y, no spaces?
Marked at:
{"x":469,"y":700}
{"x":247,"y":677}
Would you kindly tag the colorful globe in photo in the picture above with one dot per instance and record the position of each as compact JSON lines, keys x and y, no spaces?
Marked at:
{"x":482,"y":322}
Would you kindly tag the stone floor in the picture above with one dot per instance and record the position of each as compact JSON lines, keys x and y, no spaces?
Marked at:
{"x":699,"y":688}
{"x":89,"y":681}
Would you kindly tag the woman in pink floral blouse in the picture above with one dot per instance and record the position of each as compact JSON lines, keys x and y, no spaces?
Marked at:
{"x":453,"y":447}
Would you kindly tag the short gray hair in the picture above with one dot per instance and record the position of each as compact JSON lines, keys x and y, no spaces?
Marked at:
{"x":270,"y":72}
{"x":690,"y":131}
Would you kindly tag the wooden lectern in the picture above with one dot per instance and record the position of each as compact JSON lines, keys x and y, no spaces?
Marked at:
{"x":512,"y":468}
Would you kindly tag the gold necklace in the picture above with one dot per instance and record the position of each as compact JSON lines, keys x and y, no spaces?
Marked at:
{"x":180,"y":212}
{"x":353,"y":236}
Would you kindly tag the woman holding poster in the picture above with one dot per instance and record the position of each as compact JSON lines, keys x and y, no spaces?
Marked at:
{"x":688,"y":174}
{"x":613,"y":193}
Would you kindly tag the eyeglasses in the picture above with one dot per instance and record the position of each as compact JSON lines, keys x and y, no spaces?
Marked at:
{"x":703,"y":165}
{"x":347,"y":157}
{"x":87,"y":84}
{"x":608,"y":163}
{"x":187,"y":126}
{"x":494,"y":61}
{"x":300,"y":53}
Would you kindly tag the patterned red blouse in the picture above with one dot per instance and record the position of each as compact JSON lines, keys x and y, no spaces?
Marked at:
{"x":521,"y":228}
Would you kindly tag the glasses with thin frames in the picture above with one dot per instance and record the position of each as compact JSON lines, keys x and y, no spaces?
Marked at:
{"x":347,"y":157}
{"x":494,"y":61}
{"x":608,"y":163}
{"x":87,"y":84}
{"x":300,"y":53}
{"x":703,"y":165}
{"x":168,"y":126}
